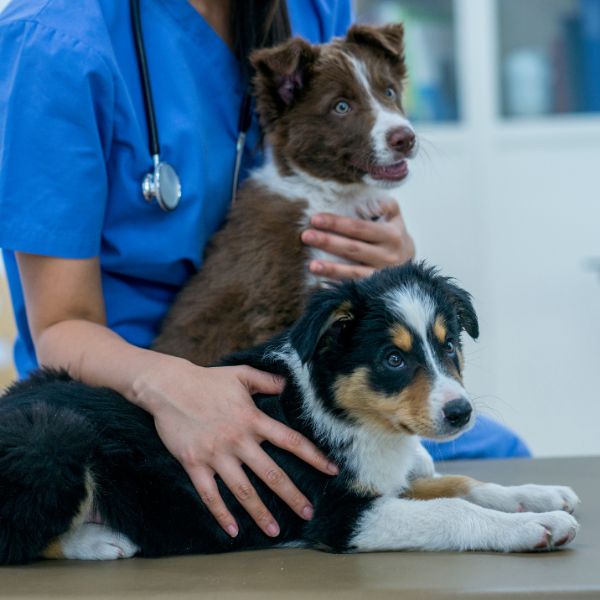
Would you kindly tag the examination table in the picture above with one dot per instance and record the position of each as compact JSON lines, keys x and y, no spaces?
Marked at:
{"x":280,"y":574}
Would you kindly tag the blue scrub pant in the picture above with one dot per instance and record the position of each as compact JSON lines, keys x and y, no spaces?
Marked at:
{"x":487,"y":439}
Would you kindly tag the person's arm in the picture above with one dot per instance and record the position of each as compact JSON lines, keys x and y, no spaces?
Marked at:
{"x":205,"y":416}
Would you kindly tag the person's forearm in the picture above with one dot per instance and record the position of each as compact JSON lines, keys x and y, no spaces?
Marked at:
{"x":94,"y":354}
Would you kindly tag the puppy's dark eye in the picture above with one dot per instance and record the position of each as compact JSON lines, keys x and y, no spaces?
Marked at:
{"x":395,"y":360}
{"x":342,"y":107}
{"x":390,"y":92}
{"x":450,"y":347}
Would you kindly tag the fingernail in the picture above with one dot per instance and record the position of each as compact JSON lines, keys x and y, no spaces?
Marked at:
{"x":309,"y":237}
{"x":232,"y":530}
{"x":316,"y":267}
{"x":273,"y":529}
{"x":308,"y":512}
{"x":333,"y":468}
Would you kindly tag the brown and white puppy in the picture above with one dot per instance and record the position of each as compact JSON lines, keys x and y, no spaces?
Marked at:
{"x":337,"y":133}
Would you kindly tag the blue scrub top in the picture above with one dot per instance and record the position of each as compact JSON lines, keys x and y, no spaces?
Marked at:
{"x":74,"y":151}
{"x":74,"y":144}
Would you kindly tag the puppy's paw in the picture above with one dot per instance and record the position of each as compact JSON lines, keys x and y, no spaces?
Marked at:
{"x":525,"y":498}
{"x":539,"y":532}
{"x":92,"y":541}
{"x":545,"y":498}
{"x":371,"y":210}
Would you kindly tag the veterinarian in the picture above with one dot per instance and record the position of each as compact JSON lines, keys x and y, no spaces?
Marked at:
{"x":93,"y":267}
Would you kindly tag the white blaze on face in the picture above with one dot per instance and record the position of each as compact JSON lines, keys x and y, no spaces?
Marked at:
{"x":386,"y":120}
{"x":417,"y":310}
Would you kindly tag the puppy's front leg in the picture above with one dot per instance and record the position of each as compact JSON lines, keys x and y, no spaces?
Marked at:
{"x":456,"y":524}
{"x":516,"y":498}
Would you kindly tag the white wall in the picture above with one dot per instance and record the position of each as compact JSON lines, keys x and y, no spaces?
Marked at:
{"x":513,"y":211}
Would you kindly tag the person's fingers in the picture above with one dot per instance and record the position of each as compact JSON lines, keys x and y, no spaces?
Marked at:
{"x":261,"y":382}
{"x":340,"y":272}
{"x":288,"y":439}
{"x":204,"y":481}
{"x":348,"y":248}
{"x":358,"y":229}
{"x":236,"y":480}
{"x":267,"y":469}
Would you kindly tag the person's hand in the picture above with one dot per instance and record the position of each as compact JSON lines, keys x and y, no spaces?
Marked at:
{"x":370,"y":245}
{"x":208,"y":421}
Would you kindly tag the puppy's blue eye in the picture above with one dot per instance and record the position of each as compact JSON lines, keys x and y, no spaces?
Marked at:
{"x":395,"y":360}
{"x":390,"y":92}
{"x":342,"y":107}
{"x":450,"y":347}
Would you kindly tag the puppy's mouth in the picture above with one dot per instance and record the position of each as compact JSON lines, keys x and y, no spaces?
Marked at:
{"x":393,"y":172}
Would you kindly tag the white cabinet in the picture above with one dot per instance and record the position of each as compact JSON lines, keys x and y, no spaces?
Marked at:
{"x":511,"y":207}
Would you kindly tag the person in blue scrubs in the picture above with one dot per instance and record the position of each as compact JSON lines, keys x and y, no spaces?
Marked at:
{"x":93,"y":268}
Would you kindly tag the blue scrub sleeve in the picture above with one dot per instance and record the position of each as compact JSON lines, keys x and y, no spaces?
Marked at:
{"x":343,"y":17}
{"x":487,"y":439}
{"x":56,"y":103}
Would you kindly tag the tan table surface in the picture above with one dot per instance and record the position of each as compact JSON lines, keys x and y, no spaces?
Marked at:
{"x":571,"y":573}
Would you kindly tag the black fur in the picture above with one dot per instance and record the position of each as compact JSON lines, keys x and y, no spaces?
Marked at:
{"x":53,"y":429}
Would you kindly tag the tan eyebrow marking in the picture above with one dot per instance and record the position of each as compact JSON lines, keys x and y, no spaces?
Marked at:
{"x":402,"y":337}
{"x":439,"y":329}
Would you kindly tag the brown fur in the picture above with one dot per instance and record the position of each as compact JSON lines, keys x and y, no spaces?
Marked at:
{"x":250,"y":287}
{"x":439,"y":329}
{"x":307,"y":132}
{"x":253,"y":283}
{"x":402,"y":338}
{"x":407,"y":411}
{"x":450,"y":486}
{"x":53,"y":551}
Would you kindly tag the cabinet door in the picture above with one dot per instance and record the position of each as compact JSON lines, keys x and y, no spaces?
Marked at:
{"x":511,"y":206}
{"x":542,"y":214}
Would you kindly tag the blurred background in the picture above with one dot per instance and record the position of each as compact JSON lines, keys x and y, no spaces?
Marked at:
{"x":505,"y":95}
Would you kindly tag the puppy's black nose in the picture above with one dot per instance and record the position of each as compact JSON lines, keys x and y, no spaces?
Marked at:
{"x":401,"y":139}
{"x":457,"y":412}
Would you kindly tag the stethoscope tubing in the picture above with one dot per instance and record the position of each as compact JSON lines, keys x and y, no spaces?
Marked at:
{"x":140,"y":51}
{"x":153,"y":186}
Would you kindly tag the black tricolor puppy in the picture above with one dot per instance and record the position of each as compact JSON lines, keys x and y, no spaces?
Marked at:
{"x":370,"y":366}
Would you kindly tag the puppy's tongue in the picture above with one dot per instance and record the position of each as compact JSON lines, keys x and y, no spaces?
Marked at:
{"x":393,"y":172}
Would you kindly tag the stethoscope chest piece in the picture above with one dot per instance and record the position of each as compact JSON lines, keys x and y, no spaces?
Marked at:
{"x":162,"y":185}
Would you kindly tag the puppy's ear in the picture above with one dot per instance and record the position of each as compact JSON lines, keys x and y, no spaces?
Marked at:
{"x":388,"y":39}
{"x":326,"y":321}
{"x":282,"y":73}
{"x":463,"y":305}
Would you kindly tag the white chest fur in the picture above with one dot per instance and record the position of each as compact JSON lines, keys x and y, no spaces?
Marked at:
{"x":321,"y":195}
{"x":382,"y":463}
{"x":349,"y":200}
{"x":386,"y":463}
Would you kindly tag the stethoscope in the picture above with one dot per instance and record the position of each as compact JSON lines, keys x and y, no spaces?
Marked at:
{"x":162,"y":183}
